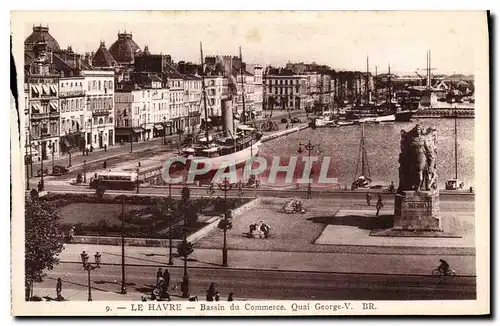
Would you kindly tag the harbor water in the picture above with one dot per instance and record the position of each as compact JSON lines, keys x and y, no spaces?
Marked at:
{"x":382,"y":143}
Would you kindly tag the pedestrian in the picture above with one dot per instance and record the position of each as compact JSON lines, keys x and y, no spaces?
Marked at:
{"x":368,"y":198}
{"x":211,"y":292}
{"x":391,"y":187}
{"x":105,"y":164}
{"x":59,"y":289}
{"x":159,"y":275}
{"x":217,"y":297}
{"x":230,"y":297}
{"x":71,"y":234}
{"x":91,"y":148}
{"x":166,"y":277}
{"x":380,"y":204}
{"x":105,"y":147}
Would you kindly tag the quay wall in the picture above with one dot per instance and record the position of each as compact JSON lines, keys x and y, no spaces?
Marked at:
{"x":283,"y":133}
{"x":437,"y":112}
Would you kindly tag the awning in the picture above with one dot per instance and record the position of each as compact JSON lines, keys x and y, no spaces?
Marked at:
{"x":53,"y":106}
{"x":158,"y":127}
{"x":45,"y":89}
{"x":53,"y":89}
{"x":34,"y":88}
{"x":38,"y":89}
{"x":138,"y":130}
{"x":35,"y":107}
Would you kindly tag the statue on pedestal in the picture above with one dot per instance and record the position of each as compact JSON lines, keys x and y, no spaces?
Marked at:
{"x":417,"y":160}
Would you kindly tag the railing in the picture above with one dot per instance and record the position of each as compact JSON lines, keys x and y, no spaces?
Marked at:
{"x":99,"y":112}
{"x":71,"y":93}
{"x":46,"y":115}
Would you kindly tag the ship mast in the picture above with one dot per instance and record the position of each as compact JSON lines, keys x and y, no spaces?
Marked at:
{"x":375,"y":85}
{"x":204,"y":92}
{"x":367,"y":80}
{"x":242,"y":89}
{"x":456,"y":146}
{"x":363,"y":149}
{"x":363,"y":157}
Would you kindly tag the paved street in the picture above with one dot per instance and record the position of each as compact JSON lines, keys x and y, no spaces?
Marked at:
{"x":254,"y":284}
{"x":342,"y":196}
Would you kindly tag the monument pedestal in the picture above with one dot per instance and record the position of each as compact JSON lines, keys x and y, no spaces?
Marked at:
{"x":416,"y":214}
{"x":417,"y":210}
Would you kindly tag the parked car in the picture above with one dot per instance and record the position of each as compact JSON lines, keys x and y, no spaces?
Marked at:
{"x":296,"y":120}
{"x":59,"y":170}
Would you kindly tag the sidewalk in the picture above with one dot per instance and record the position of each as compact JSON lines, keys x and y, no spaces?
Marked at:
{"x":326,"y":262}
{"x":48,"y":294}
{"x":99,"y":154}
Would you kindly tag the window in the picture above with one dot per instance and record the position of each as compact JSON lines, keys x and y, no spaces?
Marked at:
{"x":94,"y":84}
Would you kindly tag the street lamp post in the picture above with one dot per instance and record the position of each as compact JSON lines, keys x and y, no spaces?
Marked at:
{"x":124,"y":288}
{"x":164,"y":131}
{"x":52,"y":148}
{"x":90,"y":267}
{"x":309,"y":147}
{"x":225,"y":223}
{"x":137,"y":171}
{"x":170,"y":254}
{"x":42,"y":184}
{"x":84,"y":171}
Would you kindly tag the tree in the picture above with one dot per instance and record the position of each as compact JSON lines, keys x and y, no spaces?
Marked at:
{"x":185,"y":194}
{"x":44,"y":241}
{"x":185,"y":249}
{"x":100,"y":190}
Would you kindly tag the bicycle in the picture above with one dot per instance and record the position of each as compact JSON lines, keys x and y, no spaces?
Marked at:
{"x":438,"y":272}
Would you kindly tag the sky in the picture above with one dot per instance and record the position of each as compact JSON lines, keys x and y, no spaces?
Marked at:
{"x":342,"y":40}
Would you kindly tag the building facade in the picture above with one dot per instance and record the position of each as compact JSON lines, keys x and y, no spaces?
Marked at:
{"x":258,"y":90}
{"x":193,"y":101}
{"x":286,"y":90}
{"x":100,"y":108}
{"x":42,"y":112}
{"x":72,"y":104}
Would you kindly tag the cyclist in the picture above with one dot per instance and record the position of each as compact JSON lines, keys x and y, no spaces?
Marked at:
{"x":444,"y":267}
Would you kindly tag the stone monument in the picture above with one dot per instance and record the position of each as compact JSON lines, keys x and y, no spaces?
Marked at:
{"x":416,"y":206}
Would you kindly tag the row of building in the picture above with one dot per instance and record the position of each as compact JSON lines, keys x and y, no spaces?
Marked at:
{"x":122,"y":93}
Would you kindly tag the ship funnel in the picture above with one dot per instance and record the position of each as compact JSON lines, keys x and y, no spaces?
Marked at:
{"x":227,"y":116}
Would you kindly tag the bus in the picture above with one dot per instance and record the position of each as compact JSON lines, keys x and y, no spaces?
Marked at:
{"x":115,"y":180}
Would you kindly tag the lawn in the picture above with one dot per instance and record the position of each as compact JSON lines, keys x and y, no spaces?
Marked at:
{"x":94,"y":212}
{"x":142,"y":219}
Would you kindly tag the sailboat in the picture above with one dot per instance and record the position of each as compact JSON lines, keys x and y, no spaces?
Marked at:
{"x":234,"y":146}
{"x":363,"y":179}
{"x":455,"y":184}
